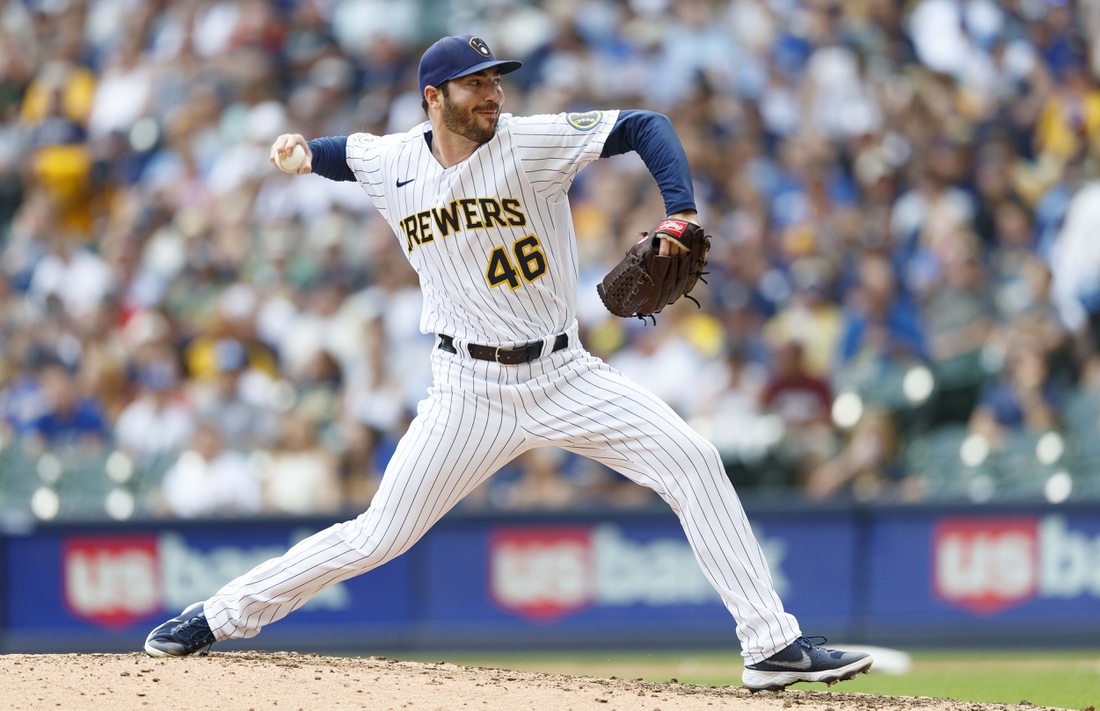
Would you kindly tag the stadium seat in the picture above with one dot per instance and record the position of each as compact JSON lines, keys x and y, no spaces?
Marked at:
{"x":937,"y":457}
{"x":1027,"y":462}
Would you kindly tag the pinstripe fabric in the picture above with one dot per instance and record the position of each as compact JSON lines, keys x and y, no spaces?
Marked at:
{"x":479,"y":415}
{"x":531,"y":159}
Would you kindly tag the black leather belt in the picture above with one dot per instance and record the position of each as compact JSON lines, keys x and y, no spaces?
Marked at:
{"x":505,"y":356}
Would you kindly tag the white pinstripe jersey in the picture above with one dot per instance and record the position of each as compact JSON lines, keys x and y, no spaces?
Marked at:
{"x":492,"y":237}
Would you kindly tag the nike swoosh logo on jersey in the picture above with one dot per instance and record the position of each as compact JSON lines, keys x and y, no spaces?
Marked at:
{"x":803,"y":663}
{"x":401,"y":184}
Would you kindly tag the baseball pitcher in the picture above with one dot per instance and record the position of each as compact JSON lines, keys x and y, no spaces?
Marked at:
{"x":478,"y":201}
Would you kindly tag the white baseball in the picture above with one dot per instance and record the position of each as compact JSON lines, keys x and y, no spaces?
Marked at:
{"x":293,"y":161}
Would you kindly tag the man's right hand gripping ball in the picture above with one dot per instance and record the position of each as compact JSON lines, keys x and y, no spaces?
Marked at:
{"x":645,"y":282}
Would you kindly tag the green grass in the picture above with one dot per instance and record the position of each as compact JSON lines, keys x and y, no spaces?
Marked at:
{"x":1063,"y":679}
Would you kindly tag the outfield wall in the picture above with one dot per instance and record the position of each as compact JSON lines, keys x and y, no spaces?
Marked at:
{"x":884,"y":575}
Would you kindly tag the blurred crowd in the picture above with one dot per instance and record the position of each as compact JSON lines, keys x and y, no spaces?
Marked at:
{"x":903,"y":196}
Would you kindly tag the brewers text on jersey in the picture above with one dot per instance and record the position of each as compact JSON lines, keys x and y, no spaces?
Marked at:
{"x":463,"y":214}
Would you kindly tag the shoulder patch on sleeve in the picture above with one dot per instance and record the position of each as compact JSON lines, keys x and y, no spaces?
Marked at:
{"x":362,"y":139}
{"x":585,"y":121}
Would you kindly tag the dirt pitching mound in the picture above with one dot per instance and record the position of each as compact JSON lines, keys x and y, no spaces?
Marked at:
{"x":261,"y":681}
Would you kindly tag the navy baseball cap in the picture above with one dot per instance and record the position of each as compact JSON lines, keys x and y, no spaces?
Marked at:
{"x":457,"y":56}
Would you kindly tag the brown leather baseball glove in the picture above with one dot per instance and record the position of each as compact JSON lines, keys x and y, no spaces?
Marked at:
{"x":644,"y":282}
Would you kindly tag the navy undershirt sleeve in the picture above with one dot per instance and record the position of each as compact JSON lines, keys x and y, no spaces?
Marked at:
{"x":330,"y":158}
{"x":652,"y":136}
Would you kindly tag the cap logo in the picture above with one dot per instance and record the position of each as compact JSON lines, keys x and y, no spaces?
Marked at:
{"x":480,"y":47}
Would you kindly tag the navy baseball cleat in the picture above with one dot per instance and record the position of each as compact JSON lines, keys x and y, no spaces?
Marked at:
{"x":186,"y":634}
{"x":803,"y":660}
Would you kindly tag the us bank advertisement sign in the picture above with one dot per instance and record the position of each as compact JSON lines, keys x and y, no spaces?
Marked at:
{"x":637,"y":575}
{"x":1037,"y":569}
{"x":111,"y":582}
{"x":466,"y":580}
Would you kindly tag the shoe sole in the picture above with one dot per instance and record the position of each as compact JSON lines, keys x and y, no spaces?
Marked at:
{"x":777,"y":681}
{"x":154,"y":652}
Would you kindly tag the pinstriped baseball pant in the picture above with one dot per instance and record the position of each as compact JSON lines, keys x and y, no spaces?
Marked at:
{"x":476,"y":418}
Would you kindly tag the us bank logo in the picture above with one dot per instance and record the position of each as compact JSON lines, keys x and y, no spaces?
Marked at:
{"x":117,"y":581}
{"x":547,"y":573}
{"x":989,"y":565}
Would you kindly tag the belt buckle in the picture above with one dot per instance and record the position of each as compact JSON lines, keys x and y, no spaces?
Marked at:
{"x":524,"y":351}
{"x":508,"y":351}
